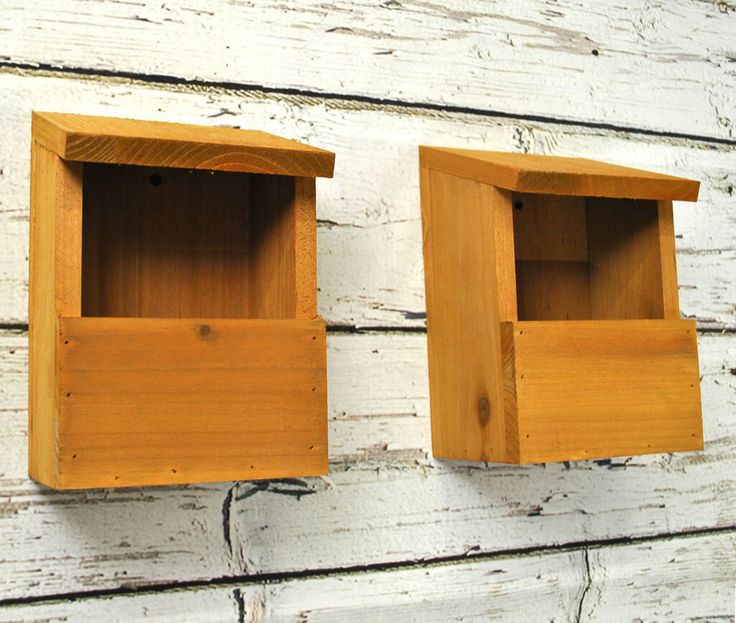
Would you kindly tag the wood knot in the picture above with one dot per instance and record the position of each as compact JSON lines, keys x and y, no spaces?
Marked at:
{"x":203,"y":330}
{"x":484,"y":411}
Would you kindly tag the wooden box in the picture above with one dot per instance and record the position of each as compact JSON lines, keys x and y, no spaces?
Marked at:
{"x":174,"y":334}
{"x":553,"y":322}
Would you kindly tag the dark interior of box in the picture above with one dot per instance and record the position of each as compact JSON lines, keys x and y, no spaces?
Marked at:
{"x":180,"y":243}
{"x":581,"y":258}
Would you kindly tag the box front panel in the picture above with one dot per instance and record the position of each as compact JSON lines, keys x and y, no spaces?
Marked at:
{"x":590,"y":389}
{"x":163,"y":401}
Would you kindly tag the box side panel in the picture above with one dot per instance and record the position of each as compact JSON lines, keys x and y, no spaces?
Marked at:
{"x":164,"y":401}
{"x":594,"y":389}
{"x":464,"y":308}
{"x":625,"y":259}
{"x":305,"y":240}
{"x":272,"y":261}
{"x":55,"y":289}
{"x":671,"y":298}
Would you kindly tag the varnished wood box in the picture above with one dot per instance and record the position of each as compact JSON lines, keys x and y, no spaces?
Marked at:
{"x":174,"y":334}
{"x":553,"y":321}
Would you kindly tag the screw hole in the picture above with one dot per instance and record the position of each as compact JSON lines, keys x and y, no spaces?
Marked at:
{"x":156,"y":179}
{"x":518,"y":204}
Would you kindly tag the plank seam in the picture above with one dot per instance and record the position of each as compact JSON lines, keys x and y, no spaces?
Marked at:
{"x":344,"y":329}
{"x":167,"y":79}
{"x":275,"y":578}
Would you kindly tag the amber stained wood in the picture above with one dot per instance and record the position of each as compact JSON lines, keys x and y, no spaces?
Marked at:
{"x":463,"y":261}
{"x":153,"y":143}
{"x":554,"y":175}
{"x":585,"y":390}
{"x":625,"y":259}
{"x":55,"y":280}
{"x":182,"y":243}
{"x":164,"y":401}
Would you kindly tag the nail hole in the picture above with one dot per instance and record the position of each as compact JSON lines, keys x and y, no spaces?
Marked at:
{"x":594,"y":52}
{"x":156,"y":179}
{"x":68,"y":394}
{"x":518,"y":204}
{"x":204,"y":330}
{"x":66,"y":341}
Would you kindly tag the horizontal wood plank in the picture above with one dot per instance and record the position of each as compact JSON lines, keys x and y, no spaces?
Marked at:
{"x":385,"y":499}
{"x":661,"y":580}
{"x":369,"y":216}
{"x":552,"y":175}
{"x":602,"y":388}
{"x":88,"y":138}
{"x":136,"y":404}
{"x":659,"y":66}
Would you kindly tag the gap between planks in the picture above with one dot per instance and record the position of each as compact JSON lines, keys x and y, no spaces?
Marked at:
{"x":276,"y":578}
{"x":370,"y":101}
{"x":343,"y":329}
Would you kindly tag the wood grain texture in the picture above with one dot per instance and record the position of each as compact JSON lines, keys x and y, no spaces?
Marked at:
{"x":586,"y":390}
{"x":165,"y":401}
{"x":169,"y":242}
{"x":462,"y":268}
{"x":128,"y":141}
{"x":668,"y":260}
{"x":55,"y":285}
{"x":625,"y":245}
{"x":370,"y":258}
{"x":641,"y":65}
{"x":382,"y":501}
{"x":663,"y":581}
{"x":550,"y":175}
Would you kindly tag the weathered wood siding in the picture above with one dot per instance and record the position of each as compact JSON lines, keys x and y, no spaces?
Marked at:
{"x":391,"y":534}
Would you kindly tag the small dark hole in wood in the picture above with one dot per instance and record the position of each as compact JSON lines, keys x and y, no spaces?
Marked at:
{"x":68,"y":394}
{"x":314,"y":389}
{"x":74,"y":456}
{"x":518,"y":204}
{"x":484,"y":411}
{"x":204,"y":330}
{"x":594,"y":52}
{"x":66,"y":341}
{"x":156,"y":179}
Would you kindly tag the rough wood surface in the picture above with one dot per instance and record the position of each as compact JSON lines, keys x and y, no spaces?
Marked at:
{"x":606,"y":388}
{"x":369,"y":232}
{"x":675,"y":579}
{"x":385,"y":500}
{"x":87,"y":138}
{"x":552,"y":175}
{"x":160,"y":401}
{"x":656,"y":65}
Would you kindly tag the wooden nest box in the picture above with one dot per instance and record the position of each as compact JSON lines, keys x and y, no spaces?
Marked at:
{"x":553,"y":320}
{"x":174,"y":334}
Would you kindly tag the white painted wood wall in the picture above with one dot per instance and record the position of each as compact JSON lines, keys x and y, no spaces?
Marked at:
{"x":391,"y":534}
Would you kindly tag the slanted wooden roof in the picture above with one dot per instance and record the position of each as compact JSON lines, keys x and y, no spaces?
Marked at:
{"x":153,"y":143}
{"x":557,"y":176}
